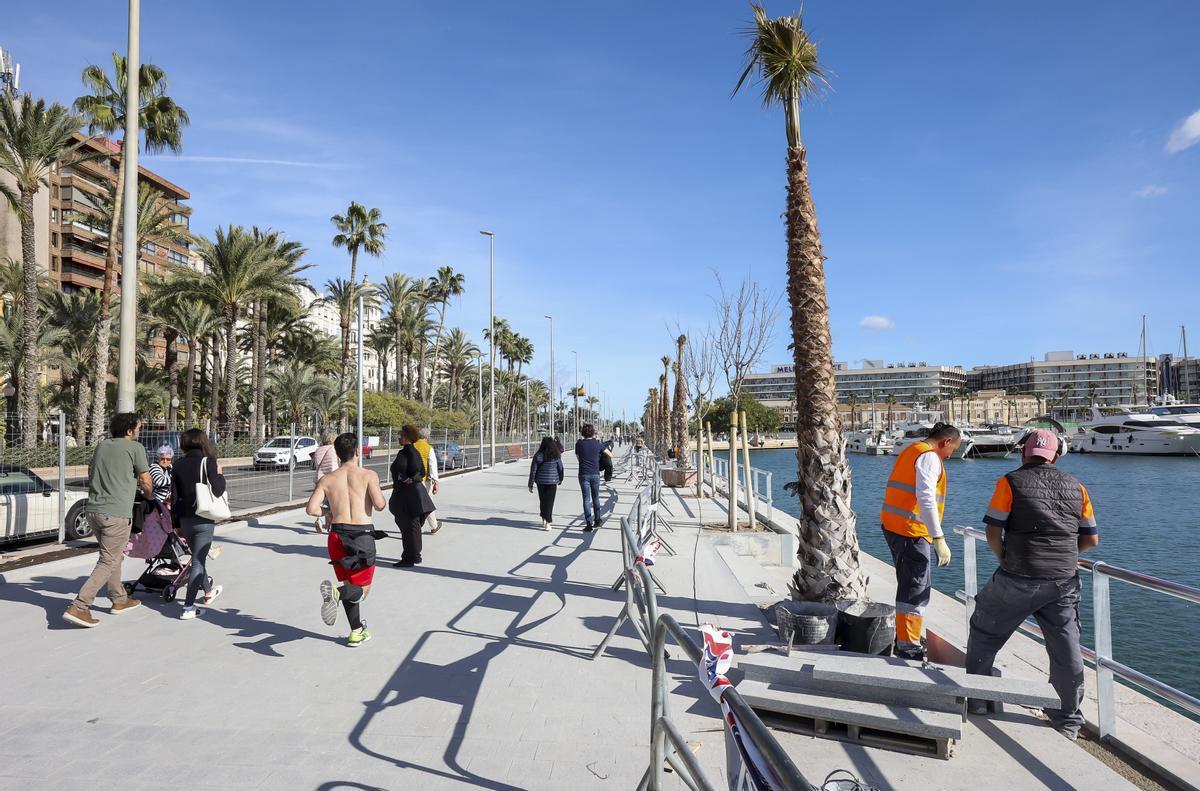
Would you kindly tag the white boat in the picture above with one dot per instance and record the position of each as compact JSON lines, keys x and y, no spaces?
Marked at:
{"x":909,"y":433}
{"x":1125,"y":433}
{"x":1187,"y":414}
{"x":989,"y":443}
{"x":872,"y":443}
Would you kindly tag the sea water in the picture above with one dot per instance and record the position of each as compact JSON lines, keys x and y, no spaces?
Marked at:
{"x":1148,"y":513}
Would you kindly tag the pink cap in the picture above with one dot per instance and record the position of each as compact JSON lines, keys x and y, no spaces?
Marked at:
{"x":1042,"y":442}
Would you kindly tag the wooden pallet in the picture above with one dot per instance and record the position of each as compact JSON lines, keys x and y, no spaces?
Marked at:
{"x":942,"y":747}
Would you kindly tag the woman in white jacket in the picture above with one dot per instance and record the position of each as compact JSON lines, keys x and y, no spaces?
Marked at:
{"x":325,"y":461}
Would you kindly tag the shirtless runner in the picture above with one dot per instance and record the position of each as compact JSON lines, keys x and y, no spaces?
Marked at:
{"x":352,"y":494}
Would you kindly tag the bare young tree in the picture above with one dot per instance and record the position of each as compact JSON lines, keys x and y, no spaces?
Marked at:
{"x":745,"y":325}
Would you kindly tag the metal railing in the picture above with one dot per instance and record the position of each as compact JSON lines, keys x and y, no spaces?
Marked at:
{"x":1101,"y":657}
{"x":653,"y":628}
{"x":762,"y":484}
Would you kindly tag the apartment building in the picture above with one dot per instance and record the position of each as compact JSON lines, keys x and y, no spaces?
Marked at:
{"x":323,"y":317}
{"x":1072,"y":382}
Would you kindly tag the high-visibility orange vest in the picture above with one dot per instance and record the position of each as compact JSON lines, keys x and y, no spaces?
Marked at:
{"x":424,"y":448}
{"x":900,"y":513}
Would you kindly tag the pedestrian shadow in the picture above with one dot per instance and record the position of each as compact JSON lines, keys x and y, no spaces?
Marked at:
{"x":308,"y":550}
{"x":494,"y":521}
{"x":254,"y":522}
{"x":37,"y":593}
{"x":262,"y":635}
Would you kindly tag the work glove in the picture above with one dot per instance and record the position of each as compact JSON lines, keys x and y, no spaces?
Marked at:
{"x":943,"y":551}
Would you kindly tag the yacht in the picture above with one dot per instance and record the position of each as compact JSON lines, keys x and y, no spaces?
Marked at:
{"x":1187,"y":414}
{"x":1126,"y":433}
{"x":872,"y":443}
{"x":909,"y":433}
{"x":989,"y":443}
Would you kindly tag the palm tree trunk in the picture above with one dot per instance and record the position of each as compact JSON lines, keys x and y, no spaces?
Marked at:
{"x":353,"y":264}
{"x":30,"y":380}
{"x":191,"y":383}
{"x":828,"y":545}
{"x":437,"y":344}
{"x":255,"y":362}
{"x":399,"y":353}
{"x":214,"y":385}
{"x":231,"y":315}
{"x":104,"y":329}
{"x":421,"y":369}
{"x":260,"y":379}
{"x":170,"y":336}
{"x":83,"y":398}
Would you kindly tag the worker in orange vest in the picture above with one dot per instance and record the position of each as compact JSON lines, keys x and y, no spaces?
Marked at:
{"x":912,"y":524}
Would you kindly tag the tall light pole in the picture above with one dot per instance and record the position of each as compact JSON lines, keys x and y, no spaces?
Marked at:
{"x":589,"y":392}
{"x":576,"y":392}
{"x":361,"y":439}
{"x":129,"y":250}
{"x":491,"y":345}
{"x":553,"y":404}
{"x":479,"y":401}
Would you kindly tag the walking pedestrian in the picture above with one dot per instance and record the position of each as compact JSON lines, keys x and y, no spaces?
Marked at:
{"x":160,"y":474}
{"x":588,"y":451}
{"x":348,"y":495}
{"x":430,"y":481}
{"x":546,"y":472}
{"x":410,"y":501}
{"x":199,"y":464}
{"x":324,"y":461}
{"x":912,"y":524}
{"x":1038,"y":521}
{"x":118,"y":470}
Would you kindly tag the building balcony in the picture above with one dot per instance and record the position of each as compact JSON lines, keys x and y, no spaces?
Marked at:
{"x":78,"y":254}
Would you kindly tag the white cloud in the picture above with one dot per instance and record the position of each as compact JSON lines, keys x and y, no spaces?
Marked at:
{"x":291,"y":163}
{"x":1151,"y":191}
{"x":877,"y":323}
{"x":1186,"y":135}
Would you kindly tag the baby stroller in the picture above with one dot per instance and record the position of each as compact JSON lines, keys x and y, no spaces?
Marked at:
{"x":168,"y":556}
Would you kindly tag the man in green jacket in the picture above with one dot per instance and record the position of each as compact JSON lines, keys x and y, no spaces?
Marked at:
{"x":117,"y":471}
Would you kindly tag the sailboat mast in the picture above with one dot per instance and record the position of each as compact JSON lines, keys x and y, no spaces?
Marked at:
{"x":1187,"y":376}
{"x":1142,"y":363}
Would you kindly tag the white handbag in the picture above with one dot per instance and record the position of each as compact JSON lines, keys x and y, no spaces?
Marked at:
{"x":208,"y":505}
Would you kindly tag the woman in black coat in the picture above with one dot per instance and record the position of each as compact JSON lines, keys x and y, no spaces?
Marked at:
{"x":410,"y":501}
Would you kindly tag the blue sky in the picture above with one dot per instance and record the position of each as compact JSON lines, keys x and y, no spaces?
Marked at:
{"x":994,"y":180}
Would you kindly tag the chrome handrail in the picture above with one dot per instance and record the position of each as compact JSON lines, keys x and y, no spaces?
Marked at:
{"x":1106,"y":666}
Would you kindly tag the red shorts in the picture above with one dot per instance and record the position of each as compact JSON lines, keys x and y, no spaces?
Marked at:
{"x":360,"y":577}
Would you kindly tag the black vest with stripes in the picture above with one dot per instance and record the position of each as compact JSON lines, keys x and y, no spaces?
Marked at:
{"x":1042,"y":536}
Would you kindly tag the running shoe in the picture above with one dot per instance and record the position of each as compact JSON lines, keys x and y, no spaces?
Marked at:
{"x":211,"y":596}
{"x":329,"y":603}
{"x":358,"y":637}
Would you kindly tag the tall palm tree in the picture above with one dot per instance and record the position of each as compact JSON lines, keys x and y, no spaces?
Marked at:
{"x":359,"y":229}
{"x":443,"y":287}
{"x":161,"y":122}
{"x":344,"y":295}
{"x":399,"y":291}
{"x":456,"y":362}
{"x":295,"y":388}
{"x":47,"y":350}
{"x":784,"y":59}
{"x":76,"y":315}
{"x":286,"y":256}
{"x":664,"y":407}
{"x":238,"y":269}
{"x":34,"y":139}
{"x":194,"y":323}
{"x":679,"y":423}
{"x":382,"y":342}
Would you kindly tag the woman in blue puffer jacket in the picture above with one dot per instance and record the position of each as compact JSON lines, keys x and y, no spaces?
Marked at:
{"x":546,"y":472}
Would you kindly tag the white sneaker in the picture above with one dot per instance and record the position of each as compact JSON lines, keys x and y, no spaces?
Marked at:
{"x":188,"y":613}
{"x":212,"y":595}
{"x":546,"y":525}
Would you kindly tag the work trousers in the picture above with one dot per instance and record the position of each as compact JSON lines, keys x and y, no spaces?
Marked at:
{"x":590,"y":485}
{"x":113,"y":534}
{"x":199,"y":535}
{"x":1003,"y":604}
{"x":431,"y":518}
{"x":546,"y":493}
{"x":914,"y":578}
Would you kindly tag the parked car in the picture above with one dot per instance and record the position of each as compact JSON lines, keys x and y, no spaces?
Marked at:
{"x":449,"y":456}
{"x":277,"y":454}
{"x":29,"y":507}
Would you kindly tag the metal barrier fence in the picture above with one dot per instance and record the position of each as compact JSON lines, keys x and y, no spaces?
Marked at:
{"x":44,"y":489}
{"x":1101,"y":657}
{"x":638,"y":529}
{"x":762,"y":485}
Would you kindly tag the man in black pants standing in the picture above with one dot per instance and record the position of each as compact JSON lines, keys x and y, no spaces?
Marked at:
{"x":352,"y":493}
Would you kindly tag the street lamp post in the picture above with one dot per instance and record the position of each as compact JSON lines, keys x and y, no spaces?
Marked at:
{"x":553,"y":405}
{"x":491,"y":346}
{"x":129,"y":250}
{"x":575,"y":392}
{"x":360,"y":368}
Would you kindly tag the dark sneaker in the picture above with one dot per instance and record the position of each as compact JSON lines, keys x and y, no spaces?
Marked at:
{"x":1070,"y":734}
{"x":587,"y":528}
{"x":130,"y":603}
{"x":598,"y":523}
{"x":80,"y":617}
{"x":404,"y":564}
{"x":329,"y":603}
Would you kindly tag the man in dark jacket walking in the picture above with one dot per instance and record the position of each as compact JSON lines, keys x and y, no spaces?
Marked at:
{"x":1038,"y":521}
{"x":588,"y":452}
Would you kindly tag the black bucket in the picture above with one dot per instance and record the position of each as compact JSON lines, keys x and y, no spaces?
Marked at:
{"x":803,"y":623}
{"x":866,"y":627}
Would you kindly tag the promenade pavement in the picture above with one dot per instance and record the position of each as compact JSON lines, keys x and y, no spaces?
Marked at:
{"x":478,"y":674}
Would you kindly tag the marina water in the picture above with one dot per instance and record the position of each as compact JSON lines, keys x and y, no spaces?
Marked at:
{"x":1148,"y":512}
